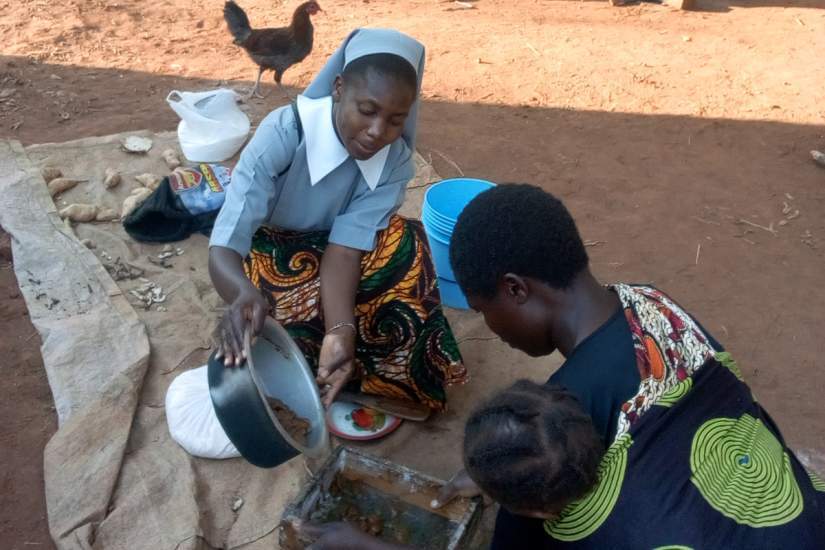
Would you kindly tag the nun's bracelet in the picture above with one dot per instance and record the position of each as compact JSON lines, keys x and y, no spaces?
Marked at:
{"x":344,"y":324}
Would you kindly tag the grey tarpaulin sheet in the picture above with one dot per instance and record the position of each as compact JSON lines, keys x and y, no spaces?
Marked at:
{"x":114,"y":478}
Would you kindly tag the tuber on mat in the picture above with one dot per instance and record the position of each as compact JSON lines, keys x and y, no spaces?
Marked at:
{"x":58,"y":185}
{"x":50,"y":172}
{"x":79,"y":212}
{"x":111,"y":178}
{"x":172,"y":158}
{"x":150,"y":181}
{"x":134,"y":200}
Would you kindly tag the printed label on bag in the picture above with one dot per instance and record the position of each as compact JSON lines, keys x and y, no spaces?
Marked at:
{"x":201,"y":189}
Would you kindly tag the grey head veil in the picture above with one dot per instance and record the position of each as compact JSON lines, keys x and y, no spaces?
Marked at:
{"x":363,"y":42}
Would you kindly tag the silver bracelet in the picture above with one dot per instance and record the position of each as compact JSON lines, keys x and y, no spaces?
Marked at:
{"x":344,"y":324}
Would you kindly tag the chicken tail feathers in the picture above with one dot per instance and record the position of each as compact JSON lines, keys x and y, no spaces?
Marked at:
{"x":237,"y":21}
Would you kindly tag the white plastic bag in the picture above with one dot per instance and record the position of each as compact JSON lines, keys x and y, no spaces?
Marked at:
{"x":212,"y":127}
{"x":191,"y":417}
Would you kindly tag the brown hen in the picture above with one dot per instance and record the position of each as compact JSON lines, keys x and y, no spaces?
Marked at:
{"x":273,"y":49}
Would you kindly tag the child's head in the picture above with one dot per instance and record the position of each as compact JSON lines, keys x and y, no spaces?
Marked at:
{"x":511,"y":244}
{"x":533,"y":449}
{"x":373,"y":95}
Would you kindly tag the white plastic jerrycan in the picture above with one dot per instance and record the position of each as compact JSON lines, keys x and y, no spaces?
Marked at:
{"x":212,"y":127}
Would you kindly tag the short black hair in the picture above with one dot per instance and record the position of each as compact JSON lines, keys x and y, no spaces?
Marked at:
{"x":515,"y":228}
{"x":532,"y":448}
{"x":384,"y":64}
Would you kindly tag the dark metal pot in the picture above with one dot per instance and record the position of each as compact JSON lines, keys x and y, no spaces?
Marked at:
{"x":275,"y":368}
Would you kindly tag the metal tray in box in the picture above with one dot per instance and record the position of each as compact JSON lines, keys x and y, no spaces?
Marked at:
{"x":407,"y":488}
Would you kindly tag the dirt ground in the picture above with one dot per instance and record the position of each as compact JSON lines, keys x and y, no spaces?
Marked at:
{"x":29,"y":418}
{"x":680,"y":141}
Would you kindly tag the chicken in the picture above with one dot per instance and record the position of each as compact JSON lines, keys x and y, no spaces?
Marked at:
{"x":272,"y":49}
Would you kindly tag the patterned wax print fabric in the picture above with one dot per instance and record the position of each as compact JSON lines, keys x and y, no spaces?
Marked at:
{"x":404,"y":348}
{"x":696,"y":462}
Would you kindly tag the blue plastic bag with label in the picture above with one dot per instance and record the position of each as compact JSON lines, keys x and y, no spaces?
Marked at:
{"x":187,"y":201}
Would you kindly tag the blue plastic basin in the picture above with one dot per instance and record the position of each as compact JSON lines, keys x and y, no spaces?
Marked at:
{"x":448,"y":198}
{"x":443,"y":203}
{"x":440,"y":249}
{"x":445,"y":230}
{"x":451,"y":295}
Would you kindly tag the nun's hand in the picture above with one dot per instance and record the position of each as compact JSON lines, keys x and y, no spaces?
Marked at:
{"x":246,"y":313}
{"x":336,"y":364}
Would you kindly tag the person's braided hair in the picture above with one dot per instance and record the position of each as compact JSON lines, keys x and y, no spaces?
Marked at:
{"x":532,"y":448}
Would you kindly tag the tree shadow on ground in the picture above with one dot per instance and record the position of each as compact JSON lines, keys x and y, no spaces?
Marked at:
{"x":723,"y":6}
{"x":696,"y":206}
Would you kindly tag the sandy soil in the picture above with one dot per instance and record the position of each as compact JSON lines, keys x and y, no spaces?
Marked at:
{"x":679,"y":140}
{"x":28,"y":416}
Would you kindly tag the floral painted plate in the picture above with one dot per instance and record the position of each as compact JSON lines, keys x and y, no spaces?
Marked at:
{"x":357,"y":423}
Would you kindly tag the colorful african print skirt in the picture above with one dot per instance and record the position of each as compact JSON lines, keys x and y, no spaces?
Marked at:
{"x":696,"y":463}
{"x":404,"y":348}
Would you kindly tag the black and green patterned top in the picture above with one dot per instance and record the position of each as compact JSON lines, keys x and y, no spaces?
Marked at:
{"x":694,"y":461}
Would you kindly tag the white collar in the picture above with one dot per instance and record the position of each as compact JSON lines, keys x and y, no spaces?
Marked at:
{"x":325,"y":152}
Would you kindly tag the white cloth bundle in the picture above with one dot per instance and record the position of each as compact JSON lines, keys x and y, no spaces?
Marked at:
{"x":191,"y":417}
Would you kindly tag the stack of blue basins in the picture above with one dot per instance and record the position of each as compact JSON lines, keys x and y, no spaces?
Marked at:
{"x":443,"y":203}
